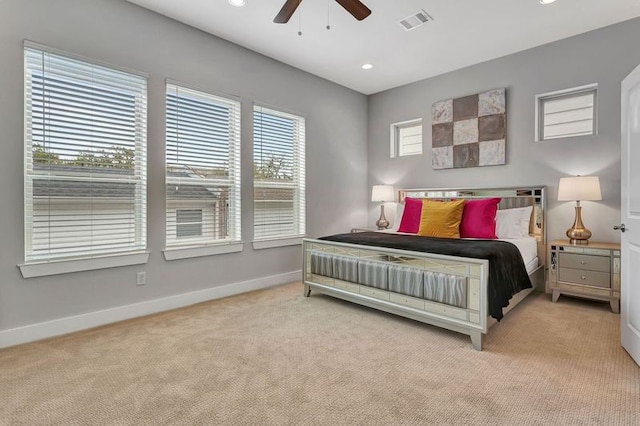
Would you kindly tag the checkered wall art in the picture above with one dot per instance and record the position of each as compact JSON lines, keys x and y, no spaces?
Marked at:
{"x":470,"y":131}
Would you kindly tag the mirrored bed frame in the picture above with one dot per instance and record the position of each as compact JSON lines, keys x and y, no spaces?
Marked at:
{"x":470,"y":317}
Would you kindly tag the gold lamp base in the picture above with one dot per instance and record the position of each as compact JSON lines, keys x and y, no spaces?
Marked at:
{"x":382,"y":223}
{"x":578,"y":234}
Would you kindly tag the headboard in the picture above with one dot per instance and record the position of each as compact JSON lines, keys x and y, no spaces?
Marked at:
{"x":511,"y":198}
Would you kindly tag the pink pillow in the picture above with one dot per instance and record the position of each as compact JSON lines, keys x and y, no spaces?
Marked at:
{"x":479,"y":219}
{"x":410,"y":222}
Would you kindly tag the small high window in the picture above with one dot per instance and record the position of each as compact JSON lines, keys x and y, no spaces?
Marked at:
{"x":406,"y":138}
{"x":567,"y":113}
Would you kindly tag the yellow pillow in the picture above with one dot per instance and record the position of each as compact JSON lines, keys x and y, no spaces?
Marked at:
{"x":441,"y":218}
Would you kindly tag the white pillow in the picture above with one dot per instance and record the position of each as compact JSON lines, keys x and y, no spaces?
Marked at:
{"x":513,"y":223}
{"x":393,"y":215}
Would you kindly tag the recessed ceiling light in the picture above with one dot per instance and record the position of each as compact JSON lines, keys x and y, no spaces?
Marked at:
{"x":541,"y":1}
{"x":238,"y":3}
{"x":367,"y":66}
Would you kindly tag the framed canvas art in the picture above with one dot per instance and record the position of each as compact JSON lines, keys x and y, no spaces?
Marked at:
{"x":470,"y":131}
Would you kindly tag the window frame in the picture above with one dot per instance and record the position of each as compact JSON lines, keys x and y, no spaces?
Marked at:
{"x":569,"y":93}
{"x":395,"y":140}
{"x":207,"y":245}
{"x":298,"y":185}
{"x":56,"y":261}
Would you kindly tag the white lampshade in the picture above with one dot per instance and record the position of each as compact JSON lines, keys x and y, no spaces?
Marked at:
{"x":579,"y":188}
{"x":382,"y":193}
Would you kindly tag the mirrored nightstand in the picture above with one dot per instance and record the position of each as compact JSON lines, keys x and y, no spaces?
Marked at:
{"x":590,"y":271}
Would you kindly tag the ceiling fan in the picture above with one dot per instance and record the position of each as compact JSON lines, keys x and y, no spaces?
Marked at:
{"x":354,"y":7}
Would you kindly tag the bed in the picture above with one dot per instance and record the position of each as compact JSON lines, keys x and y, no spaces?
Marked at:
{"x":465,"y":285}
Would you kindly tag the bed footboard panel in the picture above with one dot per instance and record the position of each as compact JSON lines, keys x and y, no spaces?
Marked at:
{"x":448,"y":292}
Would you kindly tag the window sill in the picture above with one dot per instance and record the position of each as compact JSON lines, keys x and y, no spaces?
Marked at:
{"x":177,"y":253}
{"x":55,"y":267}
{"x":280,"y":242}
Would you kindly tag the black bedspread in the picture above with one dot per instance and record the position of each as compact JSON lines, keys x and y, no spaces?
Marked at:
{"x":507,"y":272}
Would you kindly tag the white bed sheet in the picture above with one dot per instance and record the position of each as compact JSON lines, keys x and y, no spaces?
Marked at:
{"x":528,"y":247}
{"x":533,"y":264}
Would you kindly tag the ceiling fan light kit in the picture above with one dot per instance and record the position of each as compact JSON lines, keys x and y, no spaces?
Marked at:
{"x":354,"y":7}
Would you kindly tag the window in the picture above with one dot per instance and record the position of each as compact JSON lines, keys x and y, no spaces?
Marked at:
{"x":85,"y":159}
{"x":203,"y":168}
{"x":278,"y":177}
{"x":566,"y":113}
{"x":188,"y":223}
{"x":406,"y":138}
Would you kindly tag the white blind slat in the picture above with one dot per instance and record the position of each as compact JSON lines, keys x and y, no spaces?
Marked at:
{"x":568,"y":102}
{"x":568,"y":129}
{"x":568,"y":116}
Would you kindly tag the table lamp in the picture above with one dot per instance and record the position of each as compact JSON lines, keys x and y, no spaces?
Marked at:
{"x":382,"y":194}
{"x":579,"y":188}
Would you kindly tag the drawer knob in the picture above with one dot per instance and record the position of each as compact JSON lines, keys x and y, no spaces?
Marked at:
{"x":583,"y":277}
{"x":582,"y":262}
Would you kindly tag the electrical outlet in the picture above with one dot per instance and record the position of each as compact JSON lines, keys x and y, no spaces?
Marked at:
{"x":141,"y":278}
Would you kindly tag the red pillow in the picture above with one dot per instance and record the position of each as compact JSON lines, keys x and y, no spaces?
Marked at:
{"x":479,"y":218}
{"x":410,"y":222}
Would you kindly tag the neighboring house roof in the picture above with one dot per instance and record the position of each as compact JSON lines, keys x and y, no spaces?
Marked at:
{"x":77,"y":189}
{"x":193,"y":192}
{"x":53,"y":186}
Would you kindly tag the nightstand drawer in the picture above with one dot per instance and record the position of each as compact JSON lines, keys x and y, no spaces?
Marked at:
{"x":585,"y":261}
{"x":592,"y":278}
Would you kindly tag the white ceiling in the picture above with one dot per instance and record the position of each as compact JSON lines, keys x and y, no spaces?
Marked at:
{"x":463,"y":32}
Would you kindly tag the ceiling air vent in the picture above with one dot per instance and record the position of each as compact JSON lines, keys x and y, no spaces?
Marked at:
{"x":414,"y":21}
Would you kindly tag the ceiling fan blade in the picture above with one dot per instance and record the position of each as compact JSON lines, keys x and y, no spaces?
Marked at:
{"x":287,"y":11}
{"x":356,"y":8}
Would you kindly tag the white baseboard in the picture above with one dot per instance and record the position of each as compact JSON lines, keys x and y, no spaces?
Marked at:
{"x":44,"y":330}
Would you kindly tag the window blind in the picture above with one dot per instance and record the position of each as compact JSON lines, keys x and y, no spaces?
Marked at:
{"x":567,"y":115}
{"x":279,"y":174}
{"x":410,"y":139}
{"x":203,"y":168}
{"x":85,"y":158}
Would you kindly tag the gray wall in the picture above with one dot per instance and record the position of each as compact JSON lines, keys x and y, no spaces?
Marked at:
{"x":344,"y":156}
{"x":123,"y":34}
{"x":603,"y":56}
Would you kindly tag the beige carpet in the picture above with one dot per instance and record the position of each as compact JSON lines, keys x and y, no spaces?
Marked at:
{"x":274,"y":357}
